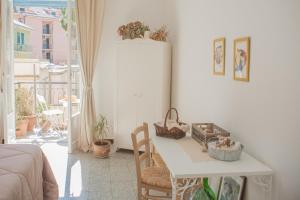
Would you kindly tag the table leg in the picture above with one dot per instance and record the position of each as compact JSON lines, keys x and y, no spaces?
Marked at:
{"x":265,"y":182}
{"x":179,"y":186}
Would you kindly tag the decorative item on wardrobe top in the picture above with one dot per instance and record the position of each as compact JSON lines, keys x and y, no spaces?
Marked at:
{"x":137,"y":29}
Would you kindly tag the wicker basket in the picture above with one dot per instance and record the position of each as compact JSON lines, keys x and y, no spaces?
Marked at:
{"x":207,"y":134}
{"x":174,"y":132}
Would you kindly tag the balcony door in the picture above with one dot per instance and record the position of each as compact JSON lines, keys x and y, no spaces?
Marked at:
{"x":68,"y":101}
{"x":75,"y":86}
{"x":7,"y":82}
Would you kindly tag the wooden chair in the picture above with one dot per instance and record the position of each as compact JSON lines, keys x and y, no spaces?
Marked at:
{"x":150,"y":177}
{"x":157,"y":160}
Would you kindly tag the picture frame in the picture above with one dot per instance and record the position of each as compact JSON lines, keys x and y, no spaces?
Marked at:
{"x":241,"y":59}
{"x":219,"y":56}
{"x":232,"y":188}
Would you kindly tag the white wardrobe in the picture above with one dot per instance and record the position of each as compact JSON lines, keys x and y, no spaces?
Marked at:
{"x":143,"y":81}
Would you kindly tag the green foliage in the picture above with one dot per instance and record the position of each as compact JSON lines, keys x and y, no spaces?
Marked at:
{"x":210,"y":193}
{"x":64,"y":18}
{"x":205,"y":193}
{"x":101,"y":128}
{"x":201,"y":195}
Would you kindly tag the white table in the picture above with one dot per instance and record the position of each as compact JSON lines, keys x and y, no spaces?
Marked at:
{"x":65,"y":102}
{"x":182,"y":167}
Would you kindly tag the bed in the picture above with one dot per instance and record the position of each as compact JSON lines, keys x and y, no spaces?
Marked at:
{"x":25,"y":174}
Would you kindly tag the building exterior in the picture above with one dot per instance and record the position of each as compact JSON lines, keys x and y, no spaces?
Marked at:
{"x":49,"y":39}
{"x":39,"y":31}
{"x":22,"y":40}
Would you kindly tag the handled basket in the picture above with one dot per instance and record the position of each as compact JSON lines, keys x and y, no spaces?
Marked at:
{"x":174,"y":132}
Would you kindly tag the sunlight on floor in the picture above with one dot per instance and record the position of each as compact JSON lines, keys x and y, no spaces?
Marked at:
{"x":58,"y":158}
{"x":82,"y":176}
{"x":76,"y":181}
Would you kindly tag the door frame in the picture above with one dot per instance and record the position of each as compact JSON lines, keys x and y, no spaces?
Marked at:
{"x":7,"y":71}
{"x":3,"y":102}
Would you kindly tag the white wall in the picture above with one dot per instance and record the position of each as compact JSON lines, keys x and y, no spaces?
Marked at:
{"x":264,"y":114}
{"x":25,"y":67}
{"x":118,"y":12}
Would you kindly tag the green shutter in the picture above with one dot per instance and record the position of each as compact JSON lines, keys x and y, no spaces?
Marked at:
{"x":22,"y":38}
{"x":18,"y":38}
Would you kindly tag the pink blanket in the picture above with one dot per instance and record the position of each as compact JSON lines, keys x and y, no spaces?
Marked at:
{"x":25,"y":174}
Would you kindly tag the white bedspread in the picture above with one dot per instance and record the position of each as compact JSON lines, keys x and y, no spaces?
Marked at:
{"x":25,"y":174}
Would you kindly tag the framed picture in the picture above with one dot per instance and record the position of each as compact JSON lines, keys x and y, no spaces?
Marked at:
{"x":241,"y":58}
{"x":219,"y":56}
{"x":231,"y":188}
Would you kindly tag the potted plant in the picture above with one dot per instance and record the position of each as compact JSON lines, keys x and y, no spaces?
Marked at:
{"x":21,"y":126}
{"x":24,"y":109}
{"x":101,"y":147}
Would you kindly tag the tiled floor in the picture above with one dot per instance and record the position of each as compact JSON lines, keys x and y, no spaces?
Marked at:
{"x":82,"y":176}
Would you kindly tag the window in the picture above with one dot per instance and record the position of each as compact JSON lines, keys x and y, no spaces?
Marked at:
{"x":48,"y":56}
{"x":46,"y":29}
{"x":20,"y":38}
{"x":22,"y":9}
{"x":46,"y":43}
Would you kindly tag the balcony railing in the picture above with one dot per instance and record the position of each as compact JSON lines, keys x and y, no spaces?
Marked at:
{"x":22,"y":47}
{"x":47,"y":46}
{"x":53,"y":92}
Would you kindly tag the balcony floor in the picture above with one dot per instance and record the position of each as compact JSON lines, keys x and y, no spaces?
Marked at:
{"x":43,"y":138}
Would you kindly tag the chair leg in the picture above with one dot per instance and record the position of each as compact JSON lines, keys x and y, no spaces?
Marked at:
{"x":147,"y":193}
{"x":139,"y":193}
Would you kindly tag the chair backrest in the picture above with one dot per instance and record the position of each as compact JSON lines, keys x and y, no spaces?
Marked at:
{"x":138,"y":145}
{"x":42,"y":102}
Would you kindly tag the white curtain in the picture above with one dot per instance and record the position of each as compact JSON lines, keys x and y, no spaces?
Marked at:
{"x":1,"y":111}
{"x":89,"y":18}
{"x":1,"y":47}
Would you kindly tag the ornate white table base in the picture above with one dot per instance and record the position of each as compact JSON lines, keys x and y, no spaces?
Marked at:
{"x":265,"y":182}
{"x":179,"y":186}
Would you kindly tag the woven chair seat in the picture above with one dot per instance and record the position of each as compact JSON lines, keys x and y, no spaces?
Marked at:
{"x":156,"y":176}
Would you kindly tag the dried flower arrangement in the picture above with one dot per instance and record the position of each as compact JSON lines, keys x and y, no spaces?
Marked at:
{"x":160,"y":35}
{"x":133,"y":30}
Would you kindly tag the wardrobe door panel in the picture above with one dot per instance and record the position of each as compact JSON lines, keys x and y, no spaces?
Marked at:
{"x":142,"y":71}
{"x":126,"y":97}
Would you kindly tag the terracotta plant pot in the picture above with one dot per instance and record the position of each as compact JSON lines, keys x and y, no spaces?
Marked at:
{"x":21,"y":127}
{"x":18,"y":133}
{"x":101,"y":149}
{"x":31,"y":122}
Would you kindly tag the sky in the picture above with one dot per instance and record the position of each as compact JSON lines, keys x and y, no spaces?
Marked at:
{"x":41,"y":3}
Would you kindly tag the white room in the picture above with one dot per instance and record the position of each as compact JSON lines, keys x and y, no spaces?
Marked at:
{"x":150,"y":99}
